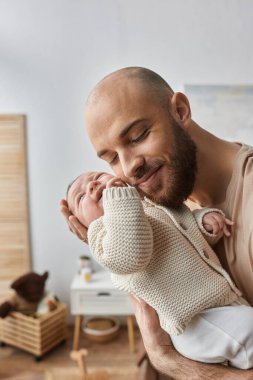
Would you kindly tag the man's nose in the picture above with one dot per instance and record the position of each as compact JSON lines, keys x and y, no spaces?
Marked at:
{"x":130,"y":166}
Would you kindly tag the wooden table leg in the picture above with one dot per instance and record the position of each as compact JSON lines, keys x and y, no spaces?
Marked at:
{"x":78,"y":321}
{"x":80,"y":356}
{"x":130,"y":327}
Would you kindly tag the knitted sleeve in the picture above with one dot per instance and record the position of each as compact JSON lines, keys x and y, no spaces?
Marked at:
{"x":122,"y":239}
{"x":199,"y":215}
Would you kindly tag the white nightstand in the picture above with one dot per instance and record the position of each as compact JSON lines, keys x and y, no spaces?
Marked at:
{"x":99,"y":297}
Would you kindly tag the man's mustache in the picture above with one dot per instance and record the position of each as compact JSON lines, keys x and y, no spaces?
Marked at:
{"x":145,"y":169}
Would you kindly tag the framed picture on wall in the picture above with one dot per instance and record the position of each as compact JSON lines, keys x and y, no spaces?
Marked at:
{"x":224,"y":110}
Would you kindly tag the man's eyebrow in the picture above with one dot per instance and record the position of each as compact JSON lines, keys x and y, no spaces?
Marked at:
{"x":101,"y":152}
{"x":123,"y":133}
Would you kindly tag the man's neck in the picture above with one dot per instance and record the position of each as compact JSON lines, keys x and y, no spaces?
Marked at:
{"x":215,"y":159}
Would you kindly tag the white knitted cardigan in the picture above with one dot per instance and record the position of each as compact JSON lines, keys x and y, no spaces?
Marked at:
{"x":161,"y":256}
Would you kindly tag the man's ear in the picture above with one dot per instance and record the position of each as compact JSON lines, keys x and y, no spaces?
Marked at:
{"x":181,"y":108}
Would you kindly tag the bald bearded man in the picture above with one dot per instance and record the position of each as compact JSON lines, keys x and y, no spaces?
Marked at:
{"x":145,"y":132}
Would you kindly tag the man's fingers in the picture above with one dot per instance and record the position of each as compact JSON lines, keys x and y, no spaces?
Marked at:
{"x":71,"y":226}
{"x":73,"y":223}
{"x":64,"y":209}
{"x":146,"y":316}
{"x":63,"y":202}
{"x":79,"y":229}
{"x":138,"y":305}
{"x":152,"y":333}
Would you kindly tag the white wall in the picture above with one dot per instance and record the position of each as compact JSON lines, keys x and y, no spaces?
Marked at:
{"x":53,"y":51}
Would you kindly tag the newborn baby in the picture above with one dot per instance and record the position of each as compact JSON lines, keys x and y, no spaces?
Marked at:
{"x":163,"y":256}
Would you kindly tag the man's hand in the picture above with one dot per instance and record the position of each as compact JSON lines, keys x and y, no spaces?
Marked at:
{"x":216,"y":223}
{"x":167,"y":360}
{"x":74,"y":225}
{"x":156,"y":341}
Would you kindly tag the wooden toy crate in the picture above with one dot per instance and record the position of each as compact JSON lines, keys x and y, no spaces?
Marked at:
{"x":35,"y":335}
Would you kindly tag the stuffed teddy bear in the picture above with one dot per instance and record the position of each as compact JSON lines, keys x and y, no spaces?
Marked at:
{"x":29,"y":290}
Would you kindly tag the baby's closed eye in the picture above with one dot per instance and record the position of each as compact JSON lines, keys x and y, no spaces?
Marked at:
{"x":81,"y":197}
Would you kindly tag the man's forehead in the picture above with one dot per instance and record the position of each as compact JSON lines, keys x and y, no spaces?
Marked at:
{"x":109,"y":85}
{"x":117,"y":109}
{"x":117,"y":104}
{"x":123,"y":84}
{"x":115,"y":90}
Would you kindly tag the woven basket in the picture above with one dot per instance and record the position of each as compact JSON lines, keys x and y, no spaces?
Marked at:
{"x":101,"y":329}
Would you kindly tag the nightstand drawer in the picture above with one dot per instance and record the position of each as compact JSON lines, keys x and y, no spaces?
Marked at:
{"x":99,"y":297}
{"x":100,"y":302}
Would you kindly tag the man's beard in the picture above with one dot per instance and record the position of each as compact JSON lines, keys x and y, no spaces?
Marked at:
{"x":181,"y":171}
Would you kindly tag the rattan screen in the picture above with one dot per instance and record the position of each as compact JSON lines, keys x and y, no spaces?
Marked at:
{"x":14,"y":226}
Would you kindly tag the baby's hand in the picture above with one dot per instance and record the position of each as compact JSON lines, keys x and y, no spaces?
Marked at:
{"x":115,"y":182}
{"x":215,"y":223}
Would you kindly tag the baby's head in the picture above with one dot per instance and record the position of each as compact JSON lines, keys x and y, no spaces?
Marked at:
{"x":84,"y":196}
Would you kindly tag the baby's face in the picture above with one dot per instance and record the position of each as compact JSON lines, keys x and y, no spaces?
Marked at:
{"x":85,"y":196}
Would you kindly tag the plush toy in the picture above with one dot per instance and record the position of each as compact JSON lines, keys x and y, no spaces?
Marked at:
{"x":29,"y":291}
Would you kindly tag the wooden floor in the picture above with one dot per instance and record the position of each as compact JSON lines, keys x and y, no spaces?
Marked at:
{"x":18,"y":365}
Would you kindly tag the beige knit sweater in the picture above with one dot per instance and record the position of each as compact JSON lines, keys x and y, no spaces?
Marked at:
{"x":161,"y":256}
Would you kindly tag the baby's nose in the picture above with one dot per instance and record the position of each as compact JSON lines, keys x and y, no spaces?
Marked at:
{"x":93,"y":185}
